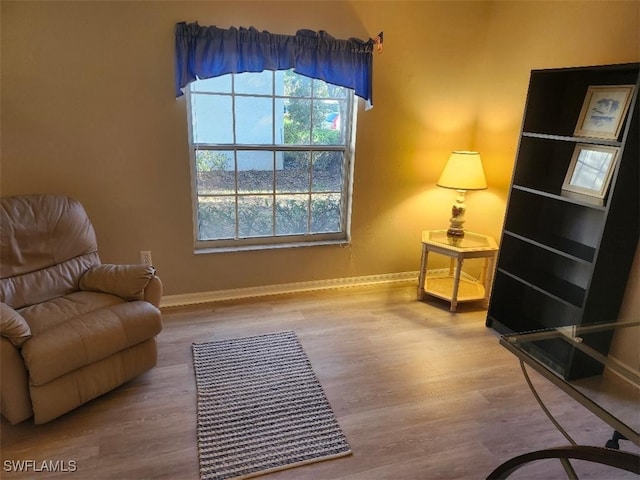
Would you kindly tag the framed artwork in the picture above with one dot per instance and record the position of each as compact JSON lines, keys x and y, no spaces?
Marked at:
{"x":603,"y":111}
{"x":589,"y":173}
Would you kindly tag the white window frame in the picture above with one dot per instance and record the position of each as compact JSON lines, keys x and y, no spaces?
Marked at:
{"x":277,"y":241}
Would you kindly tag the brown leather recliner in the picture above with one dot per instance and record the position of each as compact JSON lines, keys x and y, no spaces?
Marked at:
{"x":71,"y":328}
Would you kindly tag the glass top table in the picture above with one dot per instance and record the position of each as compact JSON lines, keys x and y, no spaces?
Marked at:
{"x":613,"y":395}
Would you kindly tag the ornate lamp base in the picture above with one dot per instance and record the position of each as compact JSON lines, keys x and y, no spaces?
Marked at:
{"x":455,"y":233}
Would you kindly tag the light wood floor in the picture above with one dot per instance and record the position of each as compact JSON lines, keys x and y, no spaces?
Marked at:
{"x":419,"y":392}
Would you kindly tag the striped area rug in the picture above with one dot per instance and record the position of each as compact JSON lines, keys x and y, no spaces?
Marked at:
{"x":261,"y":408}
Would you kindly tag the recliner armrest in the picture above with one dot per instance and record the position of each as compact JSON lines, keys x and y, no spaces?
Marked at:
{"x":153,"y":291}
{"x":15,"y":403}
{"x":127,"y":281}
{"x":13,"y":326}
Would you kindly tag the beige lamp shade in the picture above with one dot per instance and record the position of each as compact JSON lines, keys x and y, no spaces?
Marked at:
{"x":463,"y":171}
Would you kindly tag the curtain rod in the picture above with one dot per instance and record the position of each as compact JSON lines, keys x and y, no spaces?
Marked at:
{"x":378,"y":42}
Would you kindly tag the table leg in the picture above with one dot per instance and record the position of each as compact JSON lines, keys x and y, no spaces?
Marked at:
{"x":423,"y":271}
{"x":456,"y":284}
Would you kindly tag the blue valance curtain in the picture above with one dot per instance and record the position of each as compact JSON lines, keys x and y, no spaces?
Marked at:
{"x":205,"y":52}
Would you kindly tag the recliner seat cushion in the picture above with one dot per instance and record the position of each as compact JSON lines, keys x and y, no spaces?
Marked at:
{"x":89,"y":338}
{"x":43,"y":316}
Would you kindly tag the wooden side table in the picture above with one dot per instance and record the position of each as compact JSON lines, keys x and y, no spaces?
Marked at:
{"x":453,"y":284}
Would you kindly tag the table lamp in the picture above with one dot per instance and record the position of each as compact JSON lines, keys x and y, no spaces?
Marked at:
{"x":462,"y":172}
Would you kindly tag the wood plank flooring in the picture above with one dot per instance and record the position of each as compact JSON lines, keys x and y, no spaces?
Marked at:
{"x":420,"y":393}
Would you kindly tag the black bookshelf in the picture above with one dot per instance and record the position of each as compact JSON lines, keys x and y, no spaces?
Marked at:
{"x":565,"y":261}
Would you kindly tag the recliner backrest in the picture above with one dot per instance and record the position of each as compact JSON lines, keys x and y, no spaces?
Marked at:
{"x":46,"y":243}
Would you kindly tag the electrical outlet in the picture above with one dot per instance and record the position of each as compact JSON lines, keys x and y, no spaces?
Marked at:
{"x":145,"y":257}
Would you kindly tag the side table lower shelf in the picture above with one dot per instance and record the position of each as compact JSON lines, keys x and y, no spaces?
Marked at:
{"x":440,"y":284}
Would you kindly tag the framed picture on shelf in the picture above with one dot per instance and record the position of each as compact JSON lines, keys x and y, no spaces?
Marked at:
{"x":589,"y":173}
{"x":603,"y":111}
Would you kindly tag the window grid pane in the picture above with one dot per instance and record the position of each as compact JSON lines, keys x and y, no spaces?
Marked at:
{"x":248,"y":189}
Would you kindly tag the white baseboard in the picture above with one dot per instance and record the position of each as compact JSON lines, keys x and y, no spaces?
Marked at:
{"x":238,"y":293}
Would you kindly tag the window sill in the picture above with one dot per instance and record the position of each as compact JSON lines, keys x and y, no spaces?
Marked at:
{"x":274,"y":246}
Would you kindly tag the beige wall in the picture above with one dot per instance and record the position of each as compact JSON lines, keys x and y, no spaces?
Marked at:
{"x":88,"y":110}
{"x":625,"y":346}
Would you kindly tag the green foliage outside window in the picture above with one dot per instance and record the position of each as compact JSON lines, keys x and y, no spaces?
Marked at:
{"x":210,"y":160}
{"x":216,"y":219}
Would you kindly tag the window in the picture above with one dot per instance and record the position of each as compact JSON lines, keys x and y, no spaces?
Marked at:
{"x":272,"y":156}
